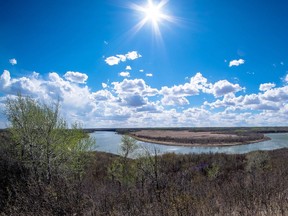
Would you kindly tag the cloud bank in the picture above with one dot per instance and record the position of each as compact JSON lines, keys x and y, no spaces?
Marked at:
{"x":134,"y":103}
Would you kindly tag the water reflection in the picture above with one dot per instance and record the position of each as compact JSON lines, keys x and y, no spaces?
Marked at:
{"x":110,"y":142}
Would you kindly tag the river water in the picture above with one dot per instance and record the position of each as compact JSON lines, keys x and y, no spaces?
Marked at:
{"x":110,"y":142}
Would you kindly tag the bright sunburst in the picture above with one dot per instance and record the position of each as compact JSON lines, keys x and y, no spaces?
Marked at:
{"x":152,"y":13}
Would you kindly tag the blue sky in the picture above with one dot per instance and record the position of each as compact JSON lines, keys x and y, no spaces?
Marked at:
{"x":135,"y":64}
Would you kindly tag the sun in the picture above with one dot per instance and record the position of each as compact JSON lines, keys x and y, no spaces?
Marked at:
{"x":152,"y":13}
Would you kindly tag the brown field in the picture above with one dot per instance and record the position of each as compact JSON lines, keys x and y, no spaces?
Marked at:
{"x":190,"y":138}
{"x":182,"y":134}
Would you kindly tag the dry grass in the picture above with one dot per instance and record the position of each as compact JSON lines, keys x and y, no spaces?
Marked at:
{"x":192,"y":138}
{"x":182,"y":134}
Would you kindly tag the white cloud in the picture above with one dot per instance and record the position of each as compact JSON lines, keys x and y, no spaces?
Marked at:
{"x":276,"y":95}
{"x":23,"y":84}
{"x":135,"y":100}
{"x":122,"y":57}
{"x":151,"y":108}
{"x":177,"y":94}
{"x":133,"y":55}
{"x":286,"y":78}
{"x":141,"y":70}
{"x":103,"y":95}
{"x":5,"y":79}
{"x":236,"y":62}
{"x":149,"y":74}
{"x":136,"y":86}
{"x":112,"y":60}
{"x":133,"y":103}
{"x":273,"y":99}
{"x":170,"y":100}
{"x":181,"y":90}
{"x":76,"y":77}
{"x":266,"y":86}
{"x":115,"y":60}
{"x":224,"y":87}
{"x":128,"y":67}
{"x":13,"y":61}
{"x":252,"y":99}
{"x":124,"y":74}
{"x":197,"y":83}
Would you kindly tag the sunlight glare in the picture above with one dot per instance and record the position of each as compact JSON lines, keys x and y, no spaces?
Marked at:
{"x":152,"y":12}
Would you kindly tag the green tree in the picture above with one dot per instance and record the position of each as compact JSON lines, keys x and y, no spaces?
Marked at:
{"x":123,"y":169}
{"x":44,"y":142}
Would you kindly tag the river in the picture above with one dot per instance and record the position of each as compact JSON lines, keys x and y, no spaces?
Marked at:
{"x":110,"y":142}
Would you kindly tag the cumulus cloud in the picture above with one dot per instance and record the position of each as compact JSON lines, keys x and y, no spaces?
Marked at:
{"x":5,"y":79}
{"x":13,"y":61}
{"x":122,"y":57}
{"x":196,"y":84}
{"x":276,"y":95}
{"x":135,"y":86}
{"x":252,"y":99}
{"x":134,"y":103}
{"x":176,"y":95}
{"x":149,"y":74}
{"x":224,"y":87}
{"x":124,"y":74}
{"x":180,"y":90}
{"x":128,"y":67}
{"x":286,"y":78}
{"x":112,"y":60}
{"x":115,"y":60}
{"x":272,"y":99}
{"x":236,"y":62}
{"x":103,"y":95}
{"x":76,"y":77}
{"x":141,"y":70}
{"x":151,"y":108}
{"x":135,"y":100}
{"x":133,"y":55}
{"x":266,"y":86}
{"x":23,"y":84}
{"x":170,"y":100}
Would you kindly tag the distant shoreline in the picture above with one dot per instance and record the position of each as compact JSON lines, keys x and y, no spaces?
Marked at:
{"x":197,"y":139}
{"x":198,"y":144}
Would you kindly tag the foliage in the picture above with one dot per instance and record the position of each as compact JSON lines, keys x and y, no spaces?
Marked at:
{"x":169,"y":184}
{"x":121,"y":170}
{"x":43,"y":141}
{"x":257,"y":161}
{"x":205,"y":184}
{"x":213,"y":171}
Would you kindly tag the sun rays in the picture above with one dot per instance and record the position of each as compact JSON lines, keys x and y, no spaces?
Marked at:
{"x":152,"y":13}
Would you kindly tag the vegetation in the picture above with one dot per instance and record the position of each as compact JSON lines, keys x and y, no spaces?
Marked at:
{"x":169,"y":184}
{"x":44,"y":171}
{"x":233,"y":138}
{"x":39,"y":154}
{"x":228,"y":130}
